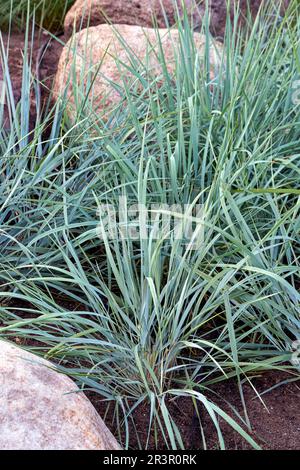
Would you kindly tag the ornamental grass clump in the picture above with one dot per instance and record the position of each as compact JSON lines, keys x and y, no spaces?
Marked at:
{"x":156,"y":253}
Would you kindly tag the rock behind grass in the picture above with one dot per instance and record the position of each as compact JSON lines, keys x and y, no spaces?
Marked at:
{"x":130,"y":12}
{"x":38,"y":412}
{"x":99,"y":59}
{"x":141,"y":12}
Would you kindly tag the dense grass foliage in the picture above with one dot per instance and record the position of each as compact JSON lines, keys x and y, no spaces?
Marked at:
{"x":148,"y":320}
{"x":49,"y":14}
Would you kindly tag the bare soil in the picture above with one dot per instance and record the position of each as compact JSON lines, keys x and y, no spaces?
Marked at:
{"x":45,"y":56}
{"x":218,"y":12}
{"x":275,"y":422}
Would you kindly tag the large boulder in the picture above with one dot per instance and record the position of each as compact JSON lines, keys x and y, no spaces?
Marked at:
{"x":130,"y":12}
{"x":37,"y":410}
{"x":142,"y":12}
{"x":103,"y":50}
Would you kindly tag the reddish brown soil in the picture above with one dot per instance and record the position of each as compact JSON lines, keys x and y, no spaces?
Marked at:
{"x":218,"y":12}
{"x":275,"y":423}
{"x":45,"y":55}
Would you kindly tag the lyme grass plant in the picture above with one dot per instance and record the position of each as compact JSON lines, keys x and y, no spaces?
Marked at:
{"x":143,"y":319}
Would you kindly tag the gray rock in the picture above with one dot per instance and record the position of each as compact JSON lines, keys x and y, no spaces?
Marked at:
{"x":38,"y":412}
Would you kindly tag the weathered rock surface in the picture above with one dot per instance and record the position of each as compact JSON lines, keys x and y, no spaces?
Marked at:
{"x":140,"y":12}
{"x":100,"y":45}
{"x":130,"y":12}
{"x":38,"y":412}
